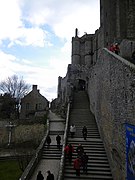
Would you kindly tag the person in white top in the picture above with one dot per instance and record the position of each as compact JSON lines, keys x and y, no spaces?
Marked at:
{"x":72,"y":130}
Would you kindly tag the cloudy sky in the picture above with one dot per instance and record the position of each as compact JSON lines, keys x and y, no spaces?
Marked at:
{"x":35,"y":38}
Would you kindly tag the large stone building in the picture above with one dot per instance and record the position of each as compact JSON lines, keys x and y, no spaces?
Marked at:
{"x":109,"y":79}
{"x":33,"y":104}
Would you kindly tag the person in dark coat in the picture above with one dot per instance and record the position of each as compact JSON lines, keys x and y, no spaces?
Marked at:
{"x":58,"y":139}
{"x":48,"y":140}
{"x":40,"y":176}
{"x":133,"y":57}
{"x":50,"y":176}
{"x":79,"y":151}
{"x":84,"y":132}
{"x":84,"y":162}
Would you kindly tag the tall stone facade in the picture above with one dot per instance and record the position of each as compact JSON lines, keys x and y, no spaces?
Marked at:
{"x":109,"y":79}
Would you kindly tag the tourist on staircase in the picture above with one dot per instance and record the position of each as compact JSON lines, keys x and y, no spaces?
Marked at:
{"x":40,"y":176}
{"x":77,"y":164}
{"x":48,"y":140}
{"x":116,"y":49}
{"x":50,"y":176}
{"x":69,"y":149}
{"x":84,"y":132}
{"x":112,"y":48}
{"x":85,"y":162}
{"x":72,"y":130}
{"x":80,"y":151}
{"x":133,"y":57}
{"x":58,"y":139}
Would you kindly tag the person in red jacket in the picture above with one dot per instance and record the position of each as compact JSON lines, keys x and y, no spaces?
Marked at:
{"x":112,"y":48}
{"x":116,"y":48}
{"x":69,"y":149}
{"x":77,"y":164}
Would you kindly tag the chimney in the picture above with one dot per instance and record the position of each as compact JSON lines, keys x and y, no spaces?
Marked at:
{"x":76,"y":32}
{"x":34,"y":87}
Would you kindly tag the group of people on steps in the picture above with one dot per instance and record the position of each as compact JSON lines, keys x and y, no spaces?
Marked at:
{"x":50,"y":175}
{"x":114,"y":47}
{"x":40,"y":176}
{"x":82,"y":158}
{"x":58,"y":140}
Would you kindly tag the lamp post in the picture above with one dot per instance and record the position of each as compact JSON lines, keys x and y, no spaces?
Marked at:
{"x":10,"y":127}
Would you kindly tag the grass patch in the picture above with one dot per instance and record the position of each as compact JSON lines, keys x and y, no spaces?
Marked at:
{"x":9,"y":170}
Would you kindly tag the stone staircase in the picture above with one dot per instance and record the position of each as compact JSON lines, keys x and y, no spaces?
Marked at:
{"x":98,"y":166}
{"x":52,"y":152}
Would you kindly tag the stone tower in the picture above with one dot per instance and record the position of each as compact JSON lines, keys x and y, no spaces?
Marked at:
{"x":82,"y":49}
{"x":117,"y":20}
{"x":76,"y":48}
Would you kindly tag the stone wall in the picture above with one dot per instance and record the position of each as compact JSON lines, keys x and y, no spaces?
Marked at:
{"x":127,"y":47}
{"x":111,"y":90}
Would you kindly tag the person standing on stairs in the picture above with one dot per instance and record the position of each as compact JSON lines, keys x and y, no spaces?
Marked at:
{"x":84,"y":132}
{"x":48,"y":140}
{"x":50,"y":176}
{"x":77,"y":164}
{"x":72,"y":130}
{"x":85,"y":162}
{"x":69,"y":149}
{"x":58,"y":139}
{"x":40,"y":176}
{"x":116,"y":49}
{"x":80,"y":151}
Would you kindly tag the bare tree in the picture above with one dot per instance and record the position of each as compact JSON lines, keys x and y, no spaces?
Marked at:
{"x":16,"y":87}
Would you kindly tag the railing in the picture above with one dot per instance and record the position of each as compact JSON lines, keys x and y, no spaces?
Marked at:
{"x":35,"y":159}
{"x":62,"y":161}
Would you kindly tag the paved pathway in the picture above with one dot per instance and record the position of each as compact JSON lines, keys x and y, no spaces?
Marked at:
{"x":56,"y":124}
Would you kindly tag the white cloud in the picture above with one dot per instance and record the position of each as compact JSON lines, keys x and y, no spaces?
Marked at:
{"x":10,"y":18}
{"x":65,"y":16}
{"x":44,"y":77}
{"x":30,"y":36}
{"x":22,"y":24}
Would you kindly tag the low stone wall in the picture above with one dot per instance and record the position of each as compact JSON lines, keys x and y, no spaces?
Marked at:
{"x":35,"y":159}
{"x":111,"y":91}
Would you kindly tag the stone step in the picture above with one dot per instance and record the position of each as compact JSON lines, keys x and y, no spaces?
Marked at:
{"x":85,"y":143}
{"x":51,"y":157}
{"x":90,"y":165}
{"x":88,"y":177}
{"x":98,"y":166}
{"x":92,"y":155}
{"x":57,"y":120}
{"x":99,"y":172}
{"x":95,"y":159}
{"x":56,"y":132}
{"x":52,"y":146}
{"x":94,"y":136}
{"x":52,"y":152}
